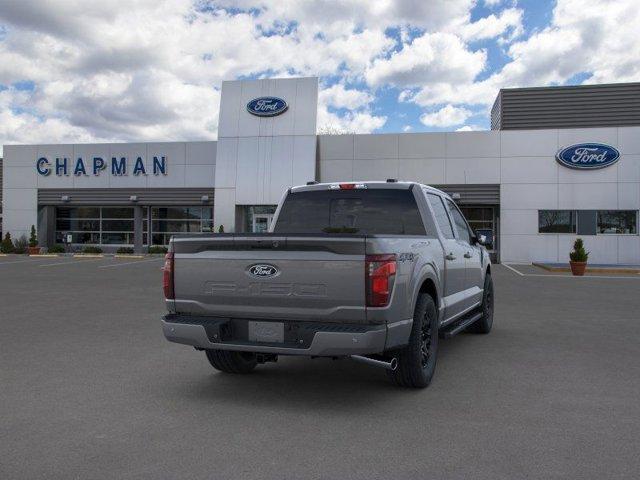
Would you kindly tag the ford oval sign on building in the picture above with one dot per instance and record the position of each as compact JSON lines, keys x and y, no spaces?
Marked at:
{"x":267,"y":106}
{"x":588,"y":156}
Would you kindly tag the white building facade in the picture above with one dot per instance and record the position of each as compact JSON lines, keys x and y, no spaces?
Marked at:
{"x":509,"y":183}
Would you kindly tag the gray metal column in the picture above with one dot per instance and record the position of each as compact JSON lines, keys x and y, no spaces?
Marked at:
{"x":138,"y":216}
{"x":46,"y":227}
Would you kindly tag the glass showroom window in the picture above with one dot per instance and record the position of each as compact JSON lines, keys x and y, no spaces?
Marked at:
{"x":167,"y":221}
{"x":556,"y":221}
{"x":618,"y":221}
{"x":95,"y":225}
{"x":117,"y":225}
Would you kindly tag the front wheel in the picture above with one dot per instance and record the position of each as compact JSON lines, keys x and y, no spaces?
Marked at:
{"x":484,"y":324}
{"x":417,"y":361}
{"x":232,"y":362}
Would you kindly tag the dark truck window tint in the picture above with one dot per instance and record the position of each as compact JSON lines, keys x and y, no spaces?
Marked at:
{"x":375,"y":211}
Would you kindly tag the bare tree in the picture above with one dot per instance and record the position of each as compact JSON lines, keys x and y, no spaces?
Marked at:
{"x":331,"y":129}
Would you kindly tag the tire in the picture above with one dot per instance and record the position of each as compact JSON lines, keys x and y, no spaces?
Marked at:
{"x":232,"y":362}
{"x":417,"y":361}
{"x":484,"y":324}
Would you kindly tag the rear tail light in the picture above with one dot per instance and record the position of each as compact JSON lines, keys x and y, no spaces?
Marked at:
{"x":167,"y":277}
{"x":380,"y":274}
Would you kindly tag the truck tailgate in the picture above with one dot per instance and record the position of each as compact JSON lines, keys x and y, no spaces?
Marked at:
{"x":269,"y":276}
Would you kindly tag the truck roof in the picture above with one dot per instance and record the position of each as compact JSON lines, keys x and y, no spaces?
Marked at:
{"x":376,"y":184}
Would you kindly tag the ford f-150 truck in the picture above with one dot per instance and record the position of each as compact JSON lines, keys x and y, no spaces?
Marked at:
{"x":374,"y":271}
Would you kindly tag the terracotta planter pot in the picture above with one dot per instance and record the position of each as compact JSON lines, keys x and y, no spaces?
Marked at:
{"x":578,"y":268}
{"x":33,"y":250}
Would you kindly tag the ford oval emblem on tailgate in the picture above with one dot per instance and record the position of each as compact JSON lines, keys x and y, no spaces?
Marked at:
{"x":263,"y":270}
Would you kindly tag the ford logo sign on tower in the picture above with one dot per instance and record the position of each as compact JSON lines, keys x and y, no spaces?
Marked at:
{"x":267,"y":106}
{"x":588,"y":156}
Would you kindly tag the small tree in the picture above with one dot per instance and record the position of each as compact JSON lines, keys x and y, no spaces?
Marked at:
{"x":33,"y":238}
{"x":7,"y":244}
{"x":579,"y":254}
{"x":20,"y":244}
{"x":221,"y":229}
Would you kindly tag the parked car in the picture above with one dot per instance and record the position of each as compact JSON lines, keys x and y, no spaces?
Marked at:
{"x":374,"y":271}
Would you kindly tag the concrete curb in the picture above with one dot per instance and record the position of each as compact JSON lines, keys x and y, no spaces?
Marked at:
{"x":88,"y":255}
{"x":589,"y":269}
{"x":127,"y":255}
{"x":45,"y":255}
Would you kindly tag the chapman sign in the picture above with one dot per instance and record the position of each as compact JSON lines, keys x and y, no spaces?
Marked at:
{"x":267,"y":106}
{"x":588,"y":156}
{"x":118,"y":166}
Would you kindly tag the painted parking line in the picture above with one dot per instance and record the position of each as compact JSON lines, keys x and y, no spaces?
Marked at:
{"x":130,"y":263}
{"x":30,"y":260}
{"x":513,"y":269}
{"x":551,"y":275}
{"x":72,"y":262}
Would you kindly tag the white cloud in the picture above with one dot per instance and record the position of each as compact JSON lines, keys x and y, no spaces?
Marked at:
{"x":447,"y":116}
{"x":433,"y":57}
{"x":340,"y":97}
{"x":509,"y":22}
{"x":469,"y":128}
{"x":596,"y":38}
{"x":357,"y":119}
{"x":407,"y":128}
{"x":358,"y":122}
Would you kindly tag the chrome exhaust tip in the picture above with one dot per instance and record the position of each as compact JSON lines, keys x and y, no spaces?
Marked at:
{"x":391,"y":365}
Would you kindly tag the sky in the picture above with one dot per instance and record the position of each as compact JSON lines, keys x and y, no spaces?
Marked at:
{"x":74,"y":71}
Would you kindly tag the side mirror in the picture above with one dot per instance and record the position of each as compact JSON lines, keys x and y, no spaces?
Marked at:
{"x":481,"y":239}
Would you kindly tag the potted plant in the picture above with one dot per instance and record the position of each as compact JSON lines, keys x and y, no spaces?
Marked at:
{"x":578,"y":258}
{"x":33,"y":249}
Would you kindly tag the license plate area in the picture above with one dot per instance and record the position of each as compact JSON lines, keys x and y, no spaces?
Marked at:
{"x":266,"y":332}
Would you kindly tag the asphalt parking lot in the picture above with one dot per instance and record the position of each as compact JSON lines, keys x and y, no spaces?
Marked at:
{"x":90,"y":389}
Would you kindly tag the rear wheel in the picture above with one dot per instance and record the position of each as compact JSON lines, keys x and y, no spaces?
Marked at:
{"x":485,"y":323}
{"x":417,"y":361}
{"x":232,"y":362}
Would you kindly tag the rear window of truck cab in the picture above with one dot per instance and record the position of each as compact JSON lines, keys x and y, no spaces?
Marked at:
{"x":366,"y":212}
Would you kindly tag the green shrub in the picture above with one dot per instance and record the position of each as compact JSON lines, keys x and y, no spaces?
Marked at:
{"x":221,"y":229}
{"x":158,"y":249}
{"x":57,"y":248}
{"x":7,"y":245}
{"x":33,"y":238}
{"x":579,"y":254}
{"x":124,"y":250}
{"x":91,"y":249}
{"x":20,"y":245}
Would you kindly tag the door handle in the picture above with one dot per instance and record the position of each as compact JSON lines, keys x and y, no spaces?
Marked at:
{"x":451,"y":256}
{"x":467,"y":255}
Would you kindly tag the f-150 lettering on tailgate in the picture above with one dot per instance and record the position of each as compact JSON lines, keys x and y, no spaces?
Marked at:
{"x":266,"y":289}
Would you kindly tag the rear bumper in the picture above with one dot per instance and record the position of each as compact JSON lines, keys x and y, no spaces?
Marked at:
{"x":302,"y":338}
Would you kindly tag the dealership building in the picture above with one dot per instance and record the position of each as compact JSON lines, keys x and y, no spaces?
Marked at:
{"x":559,"y":162}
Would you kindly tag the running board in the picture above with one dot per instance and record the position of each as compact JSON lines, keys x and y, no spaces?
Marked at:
{"x":459,"y":325}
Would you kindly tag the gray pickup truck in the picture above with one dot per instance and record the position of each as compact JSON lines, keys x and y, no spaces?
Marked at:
{"x":374,"y":271}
